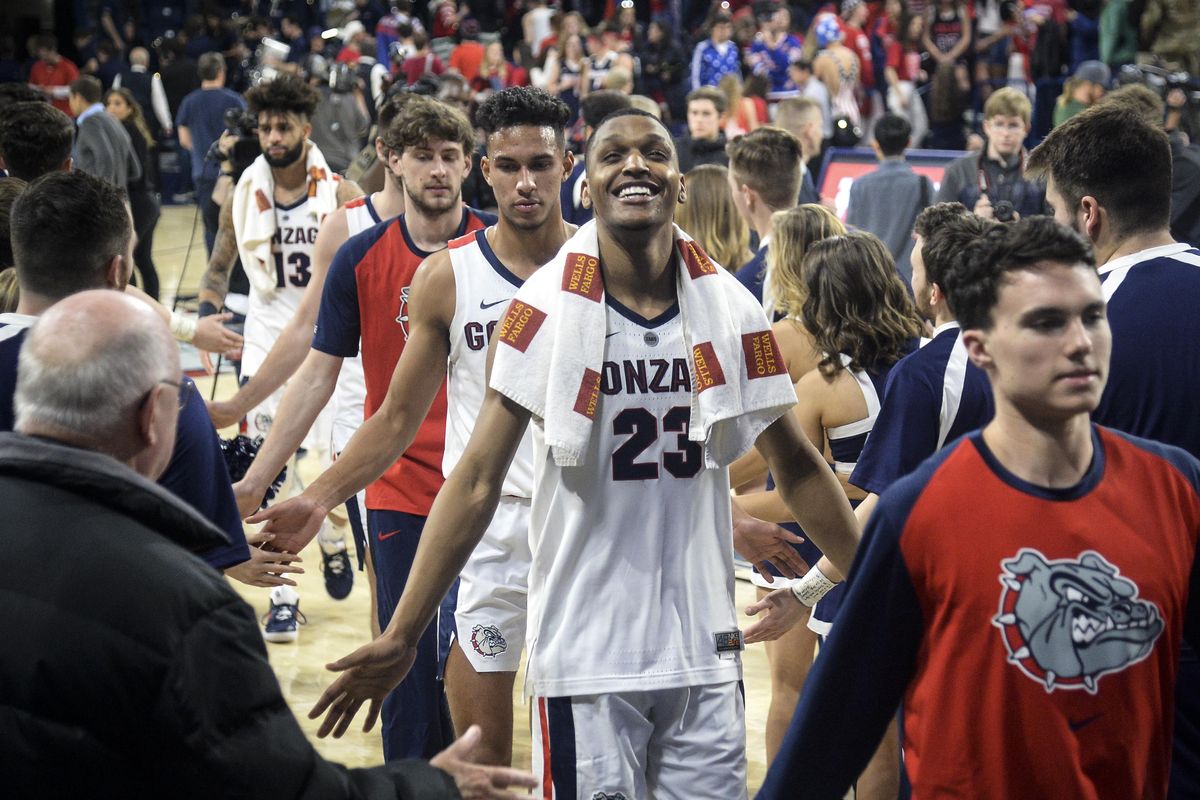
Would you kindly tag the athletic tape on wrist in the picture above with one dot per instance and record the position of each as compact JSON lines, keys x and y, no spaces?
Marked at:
{"x":183,"y":328}
{"x":812,"y":587}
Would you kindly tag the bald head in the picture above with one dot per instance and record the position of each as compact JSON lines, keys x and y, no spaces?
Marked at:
{"x":99,"y":370}
{"x":139,"y":57}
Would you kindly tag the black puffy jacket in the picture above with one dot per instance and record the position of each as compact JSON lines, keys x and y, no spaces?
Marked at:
{"x":128,"y":667}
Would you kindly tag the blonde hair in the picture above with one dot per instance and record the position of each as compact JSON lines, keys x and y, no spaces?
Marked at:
{"x":710,"y":217}
{"x":1008,"y":102}
{"x":793,"y":232}
{"x":10,"y":291}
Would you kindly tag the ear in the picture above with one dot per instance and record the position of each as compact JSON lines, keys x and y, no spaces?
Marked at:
{"x":585,"y":194}
{"x":308,"y":130}
{"x":568,"y":164}
{"x":380,"y":150}
{"x":936,"y":295}
{"x":485,"y":168}
{"x":976,"y":342}
{"x":114,"y":273}
{"x":1094,"y":217}
{"x":147,"y":430}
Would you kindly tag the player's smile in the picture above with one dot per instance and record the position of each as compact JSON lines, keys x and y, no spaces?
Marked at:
{"x":637,"y":192}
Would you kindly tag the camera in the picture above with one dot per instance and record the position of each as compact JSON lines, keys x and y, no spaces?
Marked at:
{"x":1003,"y":211}
{"x":243,"y":125}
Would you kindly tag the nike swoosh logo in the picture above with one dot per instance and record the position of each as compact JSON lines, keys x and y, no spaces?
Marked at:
{"x":610,"y":335}
{"x":1074,"y":726}
{"x":484,"y":306}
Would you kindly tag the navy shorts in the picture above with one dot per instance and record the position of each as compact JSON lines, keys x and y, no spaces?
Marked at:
{"x":415,"y":716}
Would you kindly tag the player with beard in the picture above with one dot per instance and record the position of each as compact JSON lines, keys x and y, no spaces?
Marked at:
{"x":458,"y":297}
{"x":632,"y":571}
{"x":293,"y":344}
{"x":366,"y":297}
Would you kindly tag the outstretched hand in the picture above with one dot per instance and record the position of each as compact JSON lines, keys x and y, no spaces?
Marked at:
{"x":782,"y":612}
{"x":265,"y":567}
{"x":212,"y":336}
{"x":294,"y":522}
{"x":476,"y":781}
{"x":368,"y":674}
{"x":765,"y":544}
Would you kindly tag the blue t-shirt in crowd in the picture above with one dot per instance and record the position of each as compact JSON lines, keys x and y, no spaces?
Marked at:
{"x":196,"y":474}
{"x":203,"y":113}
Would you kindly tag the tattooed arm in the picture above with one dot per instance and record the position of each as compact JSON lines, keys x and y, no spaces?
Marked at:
{"x":215,"y":282}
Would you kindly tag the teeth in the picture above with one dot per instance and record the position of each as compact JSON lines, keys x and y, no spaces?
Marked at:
{"x":634,"y":191}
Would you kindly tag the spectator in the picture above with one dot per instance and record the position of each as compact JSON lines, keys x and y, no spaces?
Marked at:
{"x":1118,"y":34}
{"x":292,"y":33}
{"x":717,"y":55}
{"x":887,"y":201}
{"x":603,"y":55}
{"x":764,"y":175}
{"x":773,"y":50}
{"x":1172,"y":28}
{"x":837,"y":66}
{"x":1083,"y":20}
{"x":89,"y":455}
{"x":995,"y":23}
{"x":807,"y":85}
{"x":496,"y":72}
{"x":535,"y":25}
{"x":566,"y":70}
{"x":143,"y":192}
{"x":982,"y":180}
{"x":902,"y":74}
{"x":594,"y":108}
{"x":802,"y":117}
{"x":422,"y":62}
{"x":705,"y":140}
{"x":51,"y":73}
{"x":201,"y":120}
{"x":742,"y":112}
{"x":468,"y":53}
{"x":35,"y":138}
{"x":147,"y":90}
{"x":108,"y":65}
{"x":102,"y":147}
{"x":710,"y":217}
{"x":948,"y":38}
{"x":340,"y":121}
{"x":1084,"y":88}
{"x":180,"y":74}
{"x":664,"y":68}
{"x":447,"y":18}
{"x":853,"y":18}
{"x":373,"y":77}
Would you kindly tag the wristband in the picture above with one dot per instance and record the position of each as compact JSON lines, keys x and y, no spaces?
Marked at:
{"x":207,"y":309}
{"x":183,"y":328}
{"x":812,"y":587}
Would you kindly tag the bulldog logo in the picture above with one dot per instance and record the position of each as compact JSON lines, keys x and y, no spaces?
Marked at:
{"x":487,"y":641}
{"x":262,"y":422}
{"x":609,"y":796}
{"x":1067,"y":622}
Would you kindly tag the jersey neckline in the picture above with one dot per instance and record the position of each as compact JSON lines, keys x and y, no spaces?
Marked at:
{"x":403,"y":222}
{"x":1089,"y":481}
{"x":485,"y":247}
{"x":637,"y":318}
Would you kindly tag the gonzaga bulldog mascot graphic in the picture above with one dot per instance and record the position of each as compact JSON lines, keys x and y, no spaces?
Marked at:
{"x":1067,"y":622}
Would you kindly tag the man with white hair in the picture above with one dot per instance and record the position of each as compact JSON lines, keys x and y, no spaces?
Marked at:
{"x":140,"y":704}
{"x":148,"y":90}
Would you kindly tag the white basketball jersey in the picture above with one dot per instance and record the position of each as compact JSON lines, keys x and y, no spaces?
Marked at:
{"x":482,"y":287}
{"x":292,"y":248}
{"x":351,"y":393}
{"x":632,"y":579}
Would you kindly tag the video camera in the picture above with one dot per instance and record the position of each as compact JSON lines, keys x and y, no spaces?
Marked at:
{"x":1162,"y":81}
{"x":243,"y":125}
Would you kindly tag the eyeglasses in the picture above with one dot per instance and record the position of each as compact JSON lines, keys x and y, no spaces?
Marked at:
{"x":184,"y":390}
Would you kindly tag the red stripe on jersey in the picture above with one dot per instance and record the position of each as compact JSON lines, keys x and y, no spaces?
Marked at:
{"x":547,"y":775}
{"x":461,"y":241}
{"x":581,"y":276}
{"x":261,"y":199}
{"x":697,"y":261}
{"x":708,"y":367}
{"x":762,"y":355}
{"x":589,"y":394}
{"x":520,"y":325}
{"x":357,"y":202}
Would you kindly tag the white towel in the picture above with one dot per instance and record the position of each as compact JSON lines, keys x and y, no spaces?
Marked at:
{"x":254,"y":214}
{"x":551,"y":352}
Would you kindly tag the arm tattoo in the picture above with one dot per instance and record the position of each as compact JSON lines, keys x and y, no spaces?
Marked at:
{"x":220,"y":264}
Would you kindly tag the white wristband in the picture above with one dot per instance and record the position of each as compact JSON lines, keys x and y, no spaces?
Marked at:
{"x":812,"y":587}
{"x":183,"y":328}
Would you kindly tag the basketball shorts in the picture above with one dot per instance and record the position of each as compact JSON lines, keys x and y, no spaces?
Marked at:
{"x":493,"y":591}
{"x":669,"y":744}
{"x":260,"y":337}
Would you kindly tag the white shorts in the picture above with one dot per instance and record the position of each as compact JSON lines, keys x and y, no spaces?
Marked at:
{"x":493,"y":591}
{"x":349,"y":399}
{"x":665,"y":744}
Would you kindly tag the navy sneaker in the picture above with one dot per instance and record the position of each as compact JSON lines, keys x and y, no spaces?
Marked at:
{"x":282,"y":623}
{"x":339,"y":577}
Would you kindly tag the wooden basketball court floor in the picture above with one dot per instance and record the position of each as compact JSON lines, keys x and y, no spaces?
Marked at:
{"x":335,"y":628}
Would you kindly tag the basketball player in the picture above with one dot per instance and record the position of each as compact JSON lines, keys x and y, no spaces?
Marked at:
{"x":1024,"y":592}
{"x":458,"y":298}
{"x":633,"y":646}
{"x":366,"y":296}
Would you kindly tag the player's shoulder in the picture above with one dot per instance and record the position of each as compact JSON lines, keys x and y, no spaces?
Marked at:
{"x":363,"y":242}
{"x":899,"y":499}
{"x":1166,"y":456}
{"x":477,"y":218}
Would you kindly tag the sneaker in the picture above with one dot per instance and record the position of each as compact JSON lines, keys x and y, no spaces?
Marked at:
{"x":282,"y":623}
{"x":339,"y":577}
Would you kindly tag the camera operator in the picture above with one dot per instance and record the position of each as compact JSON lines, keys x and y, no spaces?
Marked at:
{"x":1185,"y":172}
{"x":339,"y":125}
{"x":200,"y":121}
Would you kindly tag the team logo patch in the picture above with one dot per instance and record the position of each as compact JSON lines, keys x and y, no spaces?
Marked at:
{"x":1065,"y":623}
{"x":262,"y":422}
{"x":520,"y":324}
{"x":487,"y":641}
{"x":708,"y":368}
{"x":589,"y":394}
{"x":609,"y":796}
{"x":402,"y":314}
{"x":582,"y":276}
{"x":261,"y":200}
{"x":697,"y":261}
{"x":762,"y":355}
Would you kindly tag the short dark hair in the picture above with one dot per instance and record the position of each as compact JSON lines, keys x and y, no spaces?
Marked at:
{"x":35,"y":138}
{"x":210,"y":66}
{"x":892,"y":133}
{"x":422,"y":120}
{"x":286,"y":94}
{"x":91,"y":225}
{"x":19,"y":93}
{"x":523,"y":105}
{"x":629,"y":112}
{"x":88,"y":87}
{"x":975,"y":284}
{"x":946,"y":235}
{"x":10,"y":190}
{"x":712,"y":94}
{"x":768,"y":160}
{"x":598,"y":105}
{"x":1111,"y":153}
